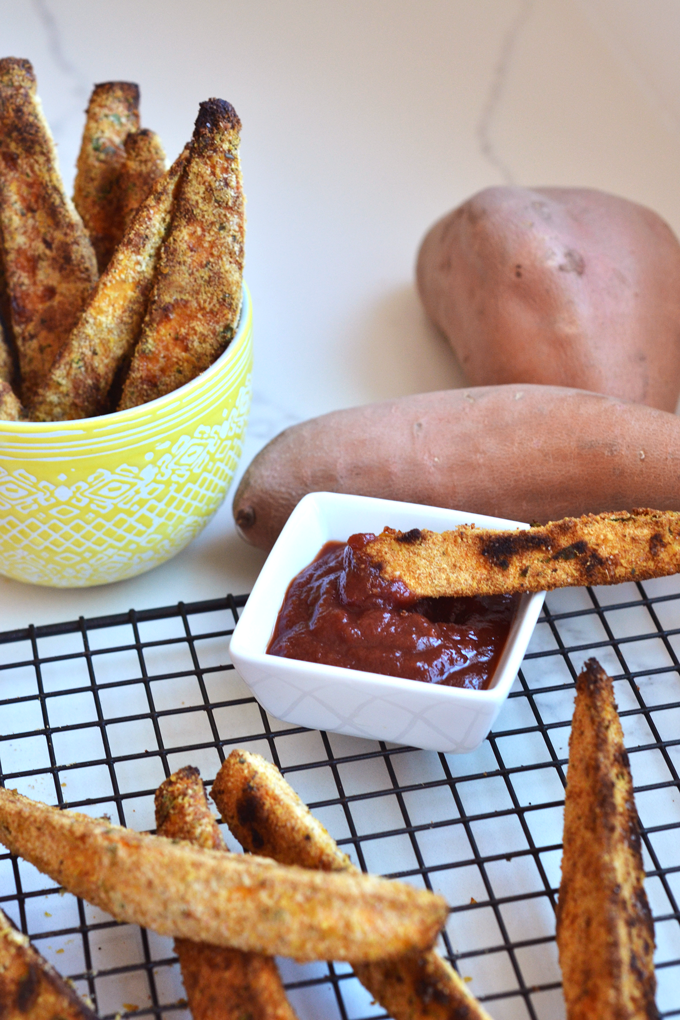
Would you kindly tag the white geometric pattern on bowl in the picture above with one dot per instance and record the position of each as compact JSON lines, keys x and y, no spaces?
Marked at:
{"x":101,"y":499}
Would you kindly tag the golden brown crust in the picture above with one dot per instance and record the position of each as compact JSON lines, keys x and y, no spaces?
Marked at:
{"x":81,"y":378}
{"x":30,"y":986}
{"x":267,"y":817}
{"x":182,"y":811}
{"x":10,"y":405}
{"x":6,"y":359}
{"x":196,"y":300}
{"x":7,"y":365}
{"x":49,"y":261}
{"x":240,"y":901}
{"x":605,"y":933}
{"x":144,"y":163}
{"x":221,"y":984}
{"x":606,"y":548}
{"x":112,"y":113}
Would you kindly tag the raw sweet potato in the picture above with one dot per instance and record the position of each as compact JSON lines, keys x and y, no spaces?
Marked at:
{"x":528,"y":453}
{"x":559,"y":286}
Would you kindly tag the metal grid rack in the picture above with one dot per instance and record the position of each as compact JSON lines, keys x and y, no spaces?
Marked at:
{"x":94,"y":714}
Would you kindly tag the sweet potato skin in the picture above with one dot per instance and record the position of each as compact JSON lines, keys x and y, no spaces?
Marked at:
{"x":527,"y":453}
{"x":559,"y":286}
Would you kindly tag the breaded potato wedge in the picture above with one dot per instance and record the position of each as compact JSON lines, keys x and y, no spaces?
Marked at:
{"x":10,"y":405}
{"x":196,"y":300}
{"x":221,"y":984}
{"x":267,"y":817}
{"x":6,"y":359}
{"x":606,"y":548}
{"x":7,"y":366}
{"x":244,"y":902}
{"x":30,"y":986}
{"x":49,"y":261}
{"x":605,"y":933}
{"x":80,"y":381}
{"x":112,"y":113}
{"x":144,"y":163}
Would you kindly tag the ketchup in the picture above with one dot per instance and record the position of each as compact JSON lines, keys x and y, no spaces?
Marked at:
{"x":340,"y":611}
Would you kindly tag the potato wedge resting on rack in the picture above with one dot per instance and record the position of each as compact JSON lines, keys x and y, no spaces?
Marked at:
{"x":267,"y":817}
{"x":221,"y":984}
{"x":605,"y":933}
{"x":240,"y":901}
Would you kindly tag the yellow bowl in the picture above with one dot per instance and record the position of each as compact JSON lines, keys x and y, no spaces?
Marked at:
{"x":101,"y":499}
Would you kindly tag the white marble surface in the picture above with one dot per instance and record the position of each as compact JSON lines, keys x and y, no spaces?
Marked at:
{"x":362,"y":123}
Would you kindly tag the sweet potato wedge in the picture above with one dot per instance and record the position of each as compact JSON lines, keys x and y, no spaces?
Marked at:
{"x":144,"y":163}
{"x":112,"y":113}
{"x":605,"y":933}
{"x":7,"y":366}
{"x":527,"y":453}
{"x":30,"y":986}
{"x":221,"y":984}
{"x":81,"y":378}
{"x":595,"y":549}
{"x":49,"y":261}
{"x":267,"y":817}
{"x":10,"y":405}
{"x":244,"y":902}
{"x":196,"y":300}
{"x":6,"y":360}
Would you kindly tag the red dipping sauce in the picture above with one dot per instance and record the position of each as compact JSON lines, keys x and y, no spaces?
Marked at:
{"x":341,"y":612}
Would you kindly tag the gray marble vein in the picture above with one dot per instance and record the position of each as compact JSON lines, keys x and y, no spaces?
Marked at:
{"x":496,"y":91}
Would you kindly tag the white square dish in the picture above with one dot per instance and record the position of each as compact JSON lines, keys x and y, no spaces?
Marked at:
{"x":430,"y":716}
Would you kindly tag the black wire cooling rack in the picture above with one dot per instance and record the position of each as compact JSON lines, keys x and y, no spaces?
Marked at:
{"x":95,"y":713}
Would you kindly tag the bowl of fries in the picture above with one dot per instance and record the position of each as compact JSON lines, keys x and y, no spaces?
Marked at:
{"x":125,"y":336}
{"x":101,"y":499}
{"x":432,"y":716}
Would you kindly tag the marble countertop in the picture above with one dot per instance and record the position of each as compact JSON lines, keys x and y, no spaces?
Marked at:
{"x":362,"y":124}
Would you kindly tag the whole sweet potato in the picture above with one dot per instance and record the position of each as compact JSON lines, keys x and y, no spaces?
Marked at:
{"x":559,"y":286}
{"x":528,"y":453}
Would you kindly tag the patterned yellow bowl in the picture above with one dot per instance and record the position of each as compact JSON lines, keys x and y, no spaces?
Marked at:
{"x":101,"y":499}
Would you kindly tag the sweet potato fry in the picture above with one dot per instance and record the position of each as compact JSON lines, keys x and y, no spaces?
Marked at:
{"x":49,"y":261}
{"x":10,"y":405}
{"x":603,"y":548}
{"x":7,"y":366}
{"x":144,"y":163}
{"x":243,"y":902}
{"x":267,"y":817}
{"x":112,"y":113}
{"x":80,"y":380}
{"x":30,"y":986}
{"x":6,"y":360}
{"x":196,"y":299}
{"x":605,"y":933}
{"x":221,"y":984}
